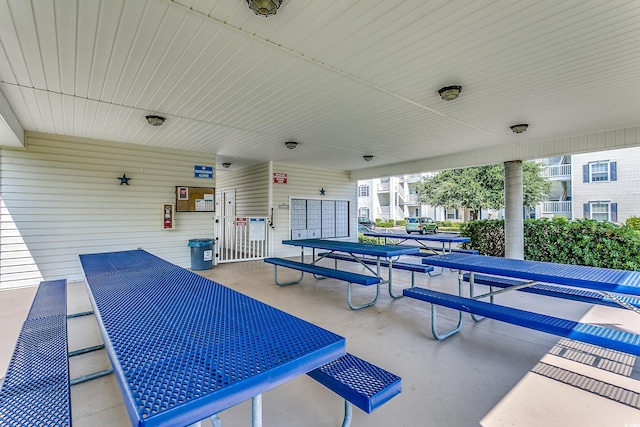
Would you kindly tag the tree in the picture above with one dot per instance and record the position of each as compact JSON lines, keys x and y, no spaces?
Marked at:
{"x":481,"y":187}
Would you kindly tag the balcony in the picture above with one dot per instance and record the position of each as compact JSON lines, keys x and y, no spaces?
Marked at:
{"x":562,"y":208}
{"x":383,"y":187}
{"x":557,"y":172}
{"x":412,"y":199}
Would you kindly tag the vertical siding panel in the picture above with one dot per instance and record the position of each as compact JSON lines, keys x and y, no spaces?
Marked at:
{"x":61,"y":197}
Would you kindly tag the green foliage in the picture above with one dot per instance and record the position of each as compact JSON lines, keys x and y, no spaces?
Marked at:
{"x":401,"y":222}
{"x":633,"y":222}
{"x":481,"y":187}
{"x":487,"y":236}
{"x":367,"y":239}
{"x":384,"y":224}
{"x":448,"y":224}
{"x":580,"y":242}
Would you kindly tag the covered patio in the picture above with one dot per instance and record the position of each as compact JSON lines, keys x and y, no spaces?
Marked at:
{"x":483,"y":376}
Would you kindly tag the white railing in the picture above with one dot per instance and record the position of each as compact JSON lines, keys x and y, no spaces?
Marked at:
{"x":400,"y":191}
{"x":411,"y":198}
{"x":383,"y":186}
{"x":241,"y":239}
{"x":557,"y":171}
{"x":383,"y":211}
{"x":556,"y":207}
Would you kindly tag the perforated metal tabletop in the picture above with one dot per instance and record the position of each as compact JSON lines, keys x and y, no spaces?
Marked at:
{"x":603,"y":279}
{"x":184,"y":347}
{"x":383,"y":251}
{"x":444,"y":238}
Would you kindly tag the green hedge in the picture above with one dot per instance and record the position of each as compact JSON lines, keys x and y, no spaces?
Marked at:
{"x":633,"y":222}
{"x":582,"y":242}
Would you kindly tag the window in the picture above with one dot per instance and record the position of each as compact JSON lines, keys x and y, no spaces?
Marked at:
{"x":363,"y":212}
{"x":451,"y":213}
{"x":601,"y":211}
{"x":364,"y":191}
{"x":601,"y":171}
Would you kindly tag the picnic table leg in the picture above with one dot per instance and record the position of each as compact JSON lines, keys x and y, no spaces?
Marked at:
{"x":292,"y":282}
{"x":368,"y":304}
{"x":256,"y":411}
{"x":434,"y":330}
{"x":475,"y":317}
{"x":390,"y":282}
{"x":348,"y":411}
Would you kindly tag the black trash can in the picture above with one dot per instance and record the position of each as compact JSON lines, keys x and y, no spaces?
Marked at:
{"x":201,"y":253}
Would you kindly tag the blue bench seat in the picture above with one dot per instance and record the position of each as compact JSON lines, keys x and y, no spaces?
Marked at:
{"x":359,"y":382}
{"x":36,"y":390}
{"x":592,"y":334}
{"x":546,"y":289}
{"x":407,"y":266}
{"x":323,"y":272}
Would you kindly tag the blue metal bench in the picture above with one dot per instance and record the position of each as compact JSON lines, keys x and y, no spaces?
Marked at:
{"x":347,"y":276}
{"x":359,"y":382}
{"x":36,"y":390}
{"x":407,"y":266}
{"x":574,"y":294}
{"x":592,"y":334}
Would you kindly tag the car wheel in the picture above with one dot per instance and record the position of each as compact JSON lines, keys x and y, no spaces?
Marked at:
{"x":408,"y":232}
{"x":423,"y":231}
{"x":435,"y":230}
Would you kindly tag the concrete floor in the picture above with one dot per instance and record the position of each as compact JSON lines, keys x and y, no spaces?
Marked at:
{"x":479,"y":377}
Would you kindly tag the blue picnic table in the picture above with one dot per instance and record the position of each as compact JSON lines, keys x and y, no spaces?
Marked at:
{"x":184,"y":347}
{"x":384,"y":256}
{"x":575,"y":282}
{"x":397,"y":239}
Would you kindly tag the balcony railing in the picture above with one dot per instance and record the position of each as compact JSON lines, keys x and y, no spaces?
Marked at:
{"x":383,"y":186}
{"x":383,"y":211}
{"x":411,"y":198}
{"x":556,"y":207}
{"x":557,"y":171}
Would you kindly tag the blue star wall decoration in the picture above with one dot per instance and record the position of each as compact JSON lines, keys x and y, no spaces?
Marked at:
{"x":124,"y":180}
{"x":322,"y":191}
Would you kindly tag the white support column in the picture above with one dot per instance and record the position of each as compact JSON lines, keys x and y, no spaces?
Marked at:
{"x":513,"y":201}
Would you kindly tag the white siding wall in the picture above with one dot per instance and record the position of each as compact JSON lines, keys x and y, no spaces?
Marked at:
{"x":61,"y":197}
{"x":251,"y":185}
{"x":625,"y":191}
{"x":306,"y":183}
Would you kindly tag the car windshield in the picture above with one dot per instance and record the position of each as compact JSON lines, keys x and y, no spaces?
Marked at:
{"x":413,"y":219}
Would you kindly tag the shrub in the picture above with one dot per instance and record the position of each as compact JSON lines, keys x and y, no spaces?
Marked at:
{"x":581,"y":242}
{"x":367,"y":239}
{"x":633,"y":222}
{"x":487,"y":236}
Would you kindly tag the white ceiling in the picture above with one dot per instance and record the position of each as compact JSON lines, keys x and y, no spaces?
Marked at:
{"x":344,"y":78}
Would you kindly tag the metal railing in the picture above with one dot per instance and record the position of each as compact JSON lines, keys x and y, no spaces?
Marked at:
{"x":241,"y":239}
{"x":557,"y":171}
{"x":556,"y":207}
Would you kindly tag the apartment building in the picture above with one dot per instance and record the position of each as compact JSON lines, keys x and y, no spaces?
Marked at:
{"x":604,"y":185}
{"x":395,"y":198}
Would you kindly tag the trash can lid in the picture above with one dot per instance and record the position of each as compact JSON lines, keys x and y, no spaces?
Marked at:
{"x":198,"y":243}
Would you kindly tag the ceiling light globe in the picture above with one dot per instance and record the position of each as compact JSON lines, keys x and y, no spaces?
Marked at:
{"x":449,"y":93}
{"x":264,"y":7}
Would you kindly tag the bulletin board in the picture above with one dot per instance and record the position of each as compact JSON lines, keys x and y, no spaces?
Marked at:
{"x":194,"y":199}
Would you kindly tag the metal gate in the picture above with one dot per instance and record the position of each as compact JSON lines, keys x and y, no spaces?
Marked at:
{"x":241,"y":239}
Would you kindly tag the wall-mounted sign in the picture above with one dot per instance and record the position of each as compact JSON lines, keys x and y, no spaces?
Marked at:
{"x":241,"y":221}
{"x":203,"y":171}
{"x":279,"y":178}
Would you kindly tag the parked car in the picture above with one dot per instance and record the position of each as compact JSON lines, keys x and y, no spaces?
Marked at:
{"x":362,"y":229}
{"x":422,"y":225}
{"x":363,"y":220}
